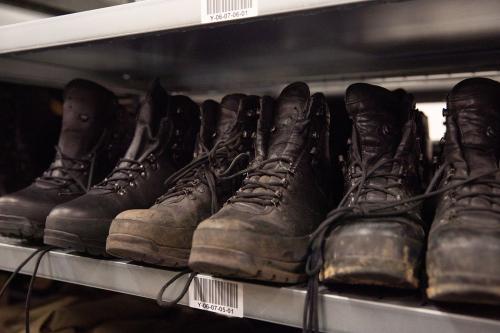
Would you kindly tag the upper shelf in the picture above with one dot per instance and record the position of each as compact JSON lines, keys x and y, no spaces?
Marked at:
{"x":422,"y":45}
{"x":129,"y":19}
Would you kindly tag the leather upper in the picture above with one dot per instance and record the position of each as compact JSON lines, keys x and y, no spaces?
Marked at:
{"x":81,"y":157}
{"x":234,"y":121}
{"x":163,"y":142}
{"x":284,"y":198}
{"x":471,"y":147}
{"x":390,"y":140}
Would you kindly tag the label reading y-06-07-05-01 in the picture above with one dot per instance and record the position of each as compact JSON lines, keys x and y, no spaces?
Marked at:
{"x":216,"y":295}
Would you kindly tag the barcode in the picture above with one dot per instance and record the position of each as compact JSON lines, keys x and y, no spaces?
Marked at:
{"x":216,"y":292}
{"x":222,"y":6}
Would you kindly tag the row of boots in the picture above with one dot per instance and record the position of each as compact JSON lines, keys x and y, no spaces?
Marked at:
{"x":251,"y":188}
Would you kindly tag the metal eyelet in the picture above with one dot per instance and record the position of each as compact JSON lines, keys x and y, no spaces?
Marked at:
{"x":385,"y":130}
{"x":121,"y":192}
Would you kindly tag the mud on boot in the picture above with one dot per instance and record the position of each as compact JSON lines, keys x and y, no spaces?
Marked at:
{"x":463,"y":254}
{"x":163,"y":234}
{"x":386,"y":161}
{"x":262,"y":232}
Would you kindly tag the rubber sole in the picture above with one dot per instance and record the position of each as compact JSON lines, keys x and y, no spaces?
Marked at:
{"x":21,"y":227}
{"x":372,"y":258}
{"x":74,"y":242}
{"x":467,"y":273}
{"x":152,"y":243}
{"x":145,"y":250}
{"x":248,"y":255}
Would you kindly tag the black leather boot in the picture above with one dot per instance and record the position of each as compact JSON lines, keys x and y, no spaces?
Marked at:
{"x":262,"y":232}
{"x":163,"y":142}
{"x":388,"y":155}
{"x":163,"y":234}
{"x":463,"y":254}
{"x":81,"y":160}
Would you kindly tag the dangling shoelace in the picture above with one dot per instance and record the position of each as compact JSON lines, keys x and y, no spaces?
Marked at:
{"x":263,"y":168}
{"x":315,"y":259}
{"x":41,"y":253}
{"x":202,"y":169}
{"x":61,"y":176}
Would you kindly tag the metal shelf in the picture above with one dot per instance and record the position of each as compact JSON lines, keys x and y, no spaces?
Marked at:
{"x":128,"y":19}
{"x":339,"y":312}
{"x":424,"y":44}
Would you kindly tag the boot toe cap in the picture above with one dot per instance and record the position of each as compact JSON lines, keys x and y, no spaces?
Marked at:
{"x":79,"y":221}
{"x":30,"y":208}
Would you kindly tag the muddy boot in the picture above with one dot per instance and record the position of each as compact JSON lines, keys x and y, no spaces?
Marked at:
{"x":386,"y":163}
{"x":463,"y":254}
{"x":89,"y":110}
{"x":262,"y":231}
{"x":163,"y":142}
{"x":163,"y":234}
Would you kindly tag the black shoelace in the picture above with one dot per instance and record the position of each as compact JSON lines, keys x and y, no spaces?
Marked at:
{"x":489,"y":196}
{"x":267,"y":192}
{"x":64,"y":175}
{"x":315,"y":259}
{"x":41,"y":253}
{"x":204,"y":170}
{"x":128,"y":170}
{"x":127,"y":173}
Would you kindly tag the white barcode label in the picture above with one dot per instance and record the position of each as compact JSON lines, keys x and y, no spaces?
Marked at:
{"x":225,"y":10}
{"x":216,"y":295}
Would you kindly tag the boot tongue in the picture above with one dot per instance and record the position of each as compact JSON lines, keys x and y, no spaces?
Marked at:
{"x":377,"y":118}
{"x":475,"y":107}
{"x":264,"y":127}
{"x":228,"y":115}
{"x":152,"y":116}
{"x":288,"y":137}
{"x":208,"y":122}
{"x":87,"y":108}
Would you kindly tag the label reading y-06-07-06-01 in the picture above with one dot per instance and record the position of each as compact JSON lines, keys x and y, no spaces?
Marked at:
{"x":225,"y":10}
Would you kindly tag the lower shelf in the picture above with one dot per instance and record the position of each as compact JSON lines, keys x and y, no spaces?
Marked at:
{"x":339,"y":312}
